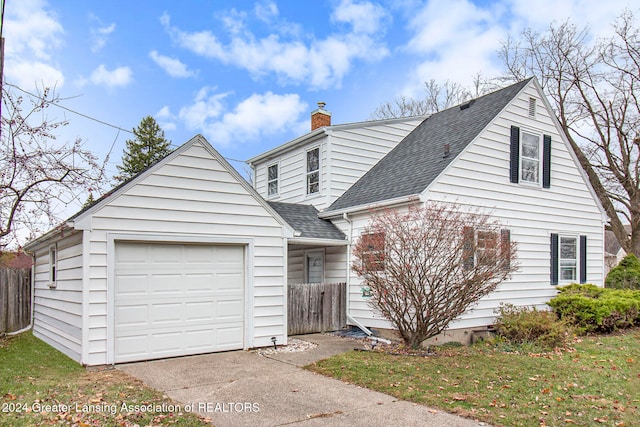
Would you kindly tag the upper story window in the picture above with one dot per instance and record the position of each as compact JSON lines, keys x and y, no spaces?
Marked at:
{"x":313,"y":171}
{"x":272,"y":180}
{"x":530,"y":158}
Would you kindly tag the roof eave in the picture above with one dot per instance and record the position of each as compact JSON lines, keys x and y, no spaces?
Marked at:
{"x":317,"y":241}
{"x":402,"y":200}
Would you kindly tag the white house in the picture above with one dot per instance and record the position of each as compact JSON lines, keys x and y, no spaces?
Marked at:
{"x":188,"y":258}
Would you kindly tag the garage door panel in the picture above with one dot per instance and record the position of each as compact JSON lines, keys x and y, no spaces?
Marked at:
{"x":174,"y":299}
{"x":132,"y":284}
{"x":132,"y":315}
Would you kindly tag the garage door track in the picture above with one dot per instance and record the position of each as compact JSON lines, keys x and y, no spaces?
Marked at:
{"x":240,"y":388}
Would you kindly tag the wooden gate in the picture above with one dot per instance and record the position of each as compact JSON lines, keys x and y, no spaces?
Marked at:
{"x":15,"y":299}
{"x":316,"y":307}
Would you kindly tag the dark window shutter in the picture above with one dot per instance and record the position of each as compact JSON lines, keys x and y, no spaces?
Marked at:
{"x":515,"y":154}
{"x":505,"y":246}
{"x":546,"y":162}
{"x":583,"y":259}
{"x":468,"y":252}
{"x":554,"y":259}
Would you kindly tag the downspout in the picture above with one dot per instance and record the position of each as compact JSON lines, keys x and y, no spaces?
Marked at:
{"x":350,"y":319}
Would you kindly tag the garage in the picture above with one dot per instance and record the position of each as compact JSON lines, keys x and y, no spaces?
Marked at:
{"x":177,"y":299}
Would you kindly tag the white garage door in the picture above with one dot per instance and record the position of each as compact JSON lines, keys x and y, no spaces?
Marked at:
{"x":177,"y":299}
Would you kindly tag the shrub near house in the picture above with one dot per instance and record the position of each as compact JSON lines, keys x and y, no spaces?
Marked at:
{"x":593,"y":309}
{"x":625,"y":275}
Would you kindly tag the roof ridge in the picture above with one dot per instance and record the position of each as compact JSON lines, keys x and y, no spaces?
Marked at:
{"x":409,"y":167}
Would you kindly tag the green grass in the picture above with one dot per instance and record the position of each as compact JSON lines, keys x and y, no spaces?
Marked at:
{"x":596,"y":383}
{"x":41,"y":386}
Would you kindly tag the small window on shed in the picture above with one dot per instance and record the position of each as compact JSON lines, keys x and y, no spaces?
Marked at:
{"x":53,"y":266}
{"x":532,"y":107}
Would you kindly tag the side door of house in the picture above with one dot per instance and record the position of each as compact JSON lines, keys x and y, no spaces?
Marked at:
{"x":314,"y":267}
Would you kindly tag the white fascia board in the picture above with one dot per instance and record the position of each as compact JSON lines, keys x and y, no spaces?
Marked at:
{"x":397,"y":201}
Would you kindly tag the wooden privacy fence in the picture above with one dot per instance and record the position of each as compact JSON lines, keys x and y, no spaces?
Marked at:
{"x":316,"y":307}
{"x":15,"y":299}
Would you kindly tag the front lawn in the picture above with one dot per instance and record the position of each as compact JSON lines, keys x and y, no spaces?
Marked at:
{"x":595,"y":383}
{"x":41,"y":386}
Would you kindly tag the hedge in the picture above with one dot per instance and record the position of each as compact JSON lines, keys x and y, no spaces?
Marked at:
{"x":593,"y":309}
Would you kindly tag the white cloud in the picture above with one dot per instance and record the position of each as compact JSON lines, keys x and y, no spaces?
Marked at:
{"x":365,"y":17}
{"x":173,"y":67}
{"x":266,"y":11}
{"x":322,"y":63}
{"x":29,"y":75}
{"x":257,"y":115}
{"x":34,"y":34}
{"x":120,"y":76}
{"x":166,"y":119}
{"x":456,"y":39}
{"x":100,"y":35}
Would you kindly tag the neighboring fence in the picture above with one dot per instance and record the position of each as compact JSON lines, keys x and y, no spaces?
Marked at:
{"x":15,"y":299}
{"x":316,"y":307}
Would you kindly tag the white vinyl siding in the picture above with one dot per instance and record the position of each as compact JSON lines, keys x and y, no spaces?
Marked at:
{"x":345,"y":155}
{"x":480,"y":177}
{"x":57,"y":311}
{"x":189,"y":198}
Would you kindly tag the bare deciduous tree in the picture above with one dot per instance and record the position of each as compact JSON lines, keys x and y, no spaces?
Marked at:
{"x":426,"y":266}
{"x":38,"y":176}
{"x":438,"y":97}
{"x":594,"y":85}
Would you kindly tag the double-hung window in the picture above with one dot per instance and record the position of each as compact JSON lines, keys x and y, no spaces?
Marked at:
{"x":313,"y":171}
{"x":373,"y":251}
{"x":568,"y":259}
{"x":487,"y":247}
{"x":272,"y":180}
{"x":530,"y":158}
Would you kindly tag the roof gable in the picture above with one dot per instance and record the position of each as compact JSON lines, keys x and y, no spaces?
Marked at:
{"x":80,"y":219}
{"x":420,"y":157}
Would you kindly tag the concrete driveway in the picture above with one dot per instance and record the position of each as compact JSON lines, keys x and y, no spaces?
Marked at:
{"x":241,"y":388}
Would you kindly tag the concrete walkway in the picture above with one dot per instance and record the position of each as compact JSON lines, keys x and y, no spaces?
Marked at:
{"x":241,"y":388}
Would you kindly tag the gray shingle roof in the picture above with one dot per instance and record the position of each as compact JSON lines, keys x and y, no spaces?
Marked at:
{"x":418,"y":159}
{"x":304,"y":218}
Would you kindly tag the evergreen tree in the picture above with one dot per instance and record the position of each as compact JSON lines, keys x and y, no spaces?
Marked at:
{"x":148,"y":147}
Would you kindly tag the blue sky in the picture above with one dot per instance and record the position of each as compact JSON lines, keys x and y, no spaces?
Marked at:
{"x":247,"y":74}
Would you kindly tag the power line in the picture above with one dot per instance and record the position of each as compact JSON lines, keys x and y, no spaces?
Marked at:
{"x":100,"y":121}
{"x":72,"y":111}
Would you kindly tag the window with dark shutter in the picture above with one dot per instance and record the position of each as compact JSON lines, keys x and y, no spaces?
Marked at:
{"x":505,"y":246}
{"x":546,"y":162}
{"x":554,"y":259}
{"x":515,"y":154}
{"x":583,"y":259}
{"x":468,"y":252}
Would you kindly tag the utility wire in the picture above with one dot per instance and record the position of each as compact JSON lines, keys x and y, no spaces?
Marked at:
{"x":98,"y":120}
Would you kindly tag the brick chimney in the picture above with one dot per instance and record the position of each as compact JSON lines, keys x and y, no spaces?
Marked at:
{"x":320,"y":117}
